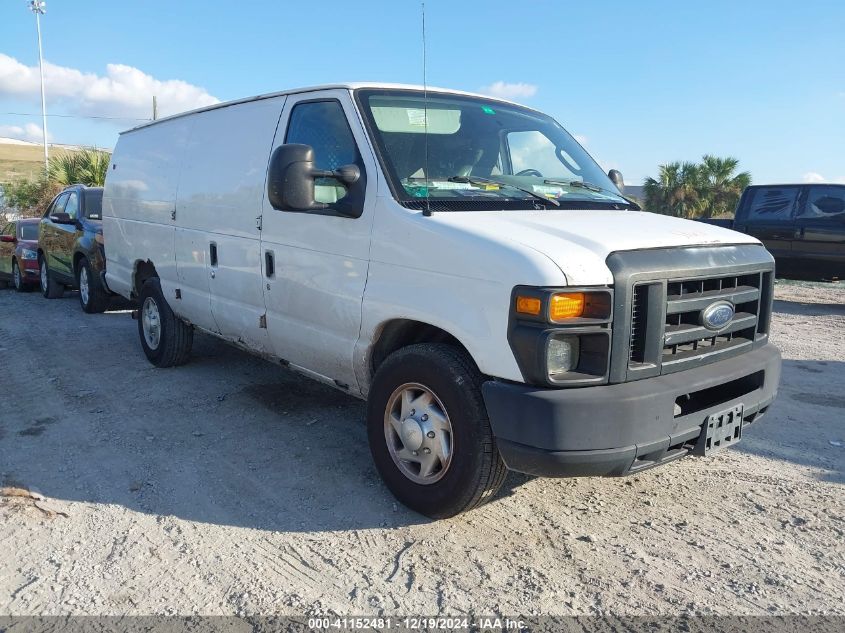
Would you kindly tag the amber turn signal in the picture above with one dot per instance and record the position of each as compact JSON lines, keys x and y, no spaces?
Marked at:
{"x":569,"y":305}
{"x":529,"y":305}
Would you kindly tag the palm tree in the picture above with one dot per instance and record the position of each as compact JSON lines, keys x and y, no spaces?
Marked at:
{"x":675,"y":191}
{"x":86,"y":167}
{"x":719,"y":185}
{"x":690,"y":190}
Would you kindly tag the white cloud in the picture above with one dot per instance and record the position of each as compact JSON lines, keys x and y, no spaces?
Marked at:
{"x":124,"y":91}
{"x":505,"y":90}
{"x":813,"y":177}
{"x":27,"y":132}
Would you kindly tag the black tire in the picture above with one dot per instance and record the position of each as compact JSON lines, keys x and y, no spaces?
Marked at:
{"x":98,"y":298}
{"x":175,"y":336}
{"x":52,"y":289}
{"x":17,"y":279}
{"x":476,"y":470}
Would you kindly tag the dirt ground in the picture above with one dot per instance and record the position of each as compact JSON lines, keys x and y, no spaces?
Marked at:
{"x":232,"y":486}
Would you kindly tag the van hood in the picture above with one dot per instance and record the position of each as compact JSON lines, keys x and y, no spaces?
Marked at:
{"x":579,"y":242}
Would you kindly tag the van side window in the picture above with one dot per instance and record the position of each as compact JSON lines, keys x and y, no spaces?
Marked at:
{"x":773,"y":203}
{"x":72,"y":205}
{"x":323,"y":126}
{"x":824,"y":202}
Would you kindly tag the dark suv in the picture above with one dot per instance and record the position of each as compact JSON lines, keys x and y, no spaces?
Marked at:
{"x":70,"y":247}
{"x":803,"y":226}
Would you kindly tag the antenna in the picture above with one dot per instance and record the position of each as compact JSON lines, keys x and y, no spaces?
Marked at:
{"x":427,"y":210}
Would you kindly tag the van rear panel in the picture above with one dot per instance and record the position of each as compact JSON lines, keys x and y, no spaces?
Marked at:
{"x":140,"y":190}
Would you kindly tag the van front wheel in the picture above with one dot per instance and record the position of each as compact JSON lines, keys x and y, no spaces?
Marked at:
{"x":166,"y":339}
{"x":429,"y":433}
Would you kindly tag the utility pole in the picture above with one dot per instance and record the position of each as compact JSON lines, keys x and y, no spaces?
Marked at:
{"x":39,"y":8}
{"x":155,"y":108}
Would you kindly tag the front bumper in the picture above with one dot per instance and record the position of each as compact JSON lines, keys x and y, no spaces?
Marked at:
{"x":624,"y":428}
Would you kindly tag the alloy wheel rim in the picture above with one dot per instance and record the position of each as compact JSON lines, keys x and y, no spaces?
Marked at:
{"x":16,"y":274}
{"x":83,"y":285}
{"x":151,"y":323}
{"x":43,"y":276}
{"x":418,"y":433}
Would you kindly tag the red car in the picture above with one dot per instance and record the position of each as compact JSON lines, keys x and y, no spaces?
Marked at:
{"x":19,"y":254}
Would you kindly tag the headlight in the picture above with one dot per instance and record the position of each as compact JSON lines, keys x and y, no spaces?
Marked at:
{"x":562,"y":354}
{"x":28,"y":254}
{"x":561,"y":336}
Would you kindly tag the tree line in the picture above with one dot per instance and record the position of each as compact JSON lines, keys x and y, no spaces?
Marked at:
{"x":30,"y":196}
{"x":696,"y":190}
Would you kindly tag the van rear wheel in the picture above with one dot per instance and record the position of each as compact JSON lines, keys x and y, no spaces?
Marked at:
{"x":166,"y":339}
{"x":429,"y":433}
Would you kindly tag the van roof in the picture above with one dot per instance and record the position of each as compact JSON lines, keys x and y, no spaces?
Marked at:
{"x":339,"y":86}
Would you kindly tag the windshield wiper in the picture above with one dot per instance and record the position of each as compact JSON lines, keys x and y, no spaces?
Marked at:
{"x":591,"y":187}
{"x":477,"y":180}
{"x":576,"y":183}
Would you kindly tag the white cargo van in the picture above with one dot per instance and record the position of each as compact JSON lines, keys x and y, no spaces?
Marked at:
{"x":461,"y":263}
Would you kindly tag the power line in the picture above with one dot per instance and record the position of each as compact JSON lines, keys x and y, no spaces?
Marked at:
{"x":78,"y":116}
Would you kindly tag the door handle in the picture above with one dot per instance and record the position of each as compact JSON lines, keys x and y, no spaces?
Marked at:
{"x":212,"y":252}
{"x":269,"y":264}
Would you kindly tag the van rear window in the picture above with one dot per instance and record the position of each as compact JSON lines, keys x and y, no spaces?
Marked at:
{"x":773,"y":203}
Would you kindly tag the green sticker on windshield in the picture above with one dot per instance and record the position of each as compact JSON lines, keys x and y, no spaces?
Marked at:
{"x":488,"y":110}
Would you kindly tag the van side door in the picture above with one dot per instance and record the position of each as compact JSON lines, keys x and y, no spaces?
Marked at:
{"x":221,"y":189}
{"x":767,"y":213}
{"x":821,"y":228}
{"x":316,"y":262}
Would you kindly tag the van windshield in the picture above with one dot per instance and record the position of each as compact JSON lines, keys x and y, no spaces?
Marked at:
{"x":468,"y":153}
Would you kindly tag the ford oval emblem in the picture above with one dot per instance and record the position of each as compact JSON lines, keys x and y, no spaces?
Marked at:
{"x":717,"y":315}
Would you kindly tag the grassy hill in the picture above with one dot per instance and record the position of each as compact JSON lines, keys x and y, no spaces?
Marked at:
{"x":18,"y":161}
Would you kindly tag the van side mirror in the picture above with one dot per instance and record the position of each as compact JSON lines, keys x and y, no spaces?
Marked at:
{"x":616,"y":177}
{"x":291,"y":176}
{"x":62,"y":218}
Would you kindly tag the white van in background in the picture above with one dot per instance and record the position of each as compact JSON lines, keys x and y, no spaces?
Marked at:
{"x":461,"y":263}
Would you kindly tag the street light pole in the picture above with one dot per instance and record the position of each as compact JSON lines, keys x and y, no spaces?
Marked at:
{"x":39,"y":8}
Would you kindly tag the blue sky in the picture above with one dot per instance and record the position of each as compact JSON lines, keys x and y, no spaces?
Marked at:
{"x":641,"y":83}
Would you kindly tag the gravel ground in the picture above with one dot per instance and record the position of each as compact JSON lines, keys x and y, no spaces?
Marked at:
{"x":232,"y":486}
